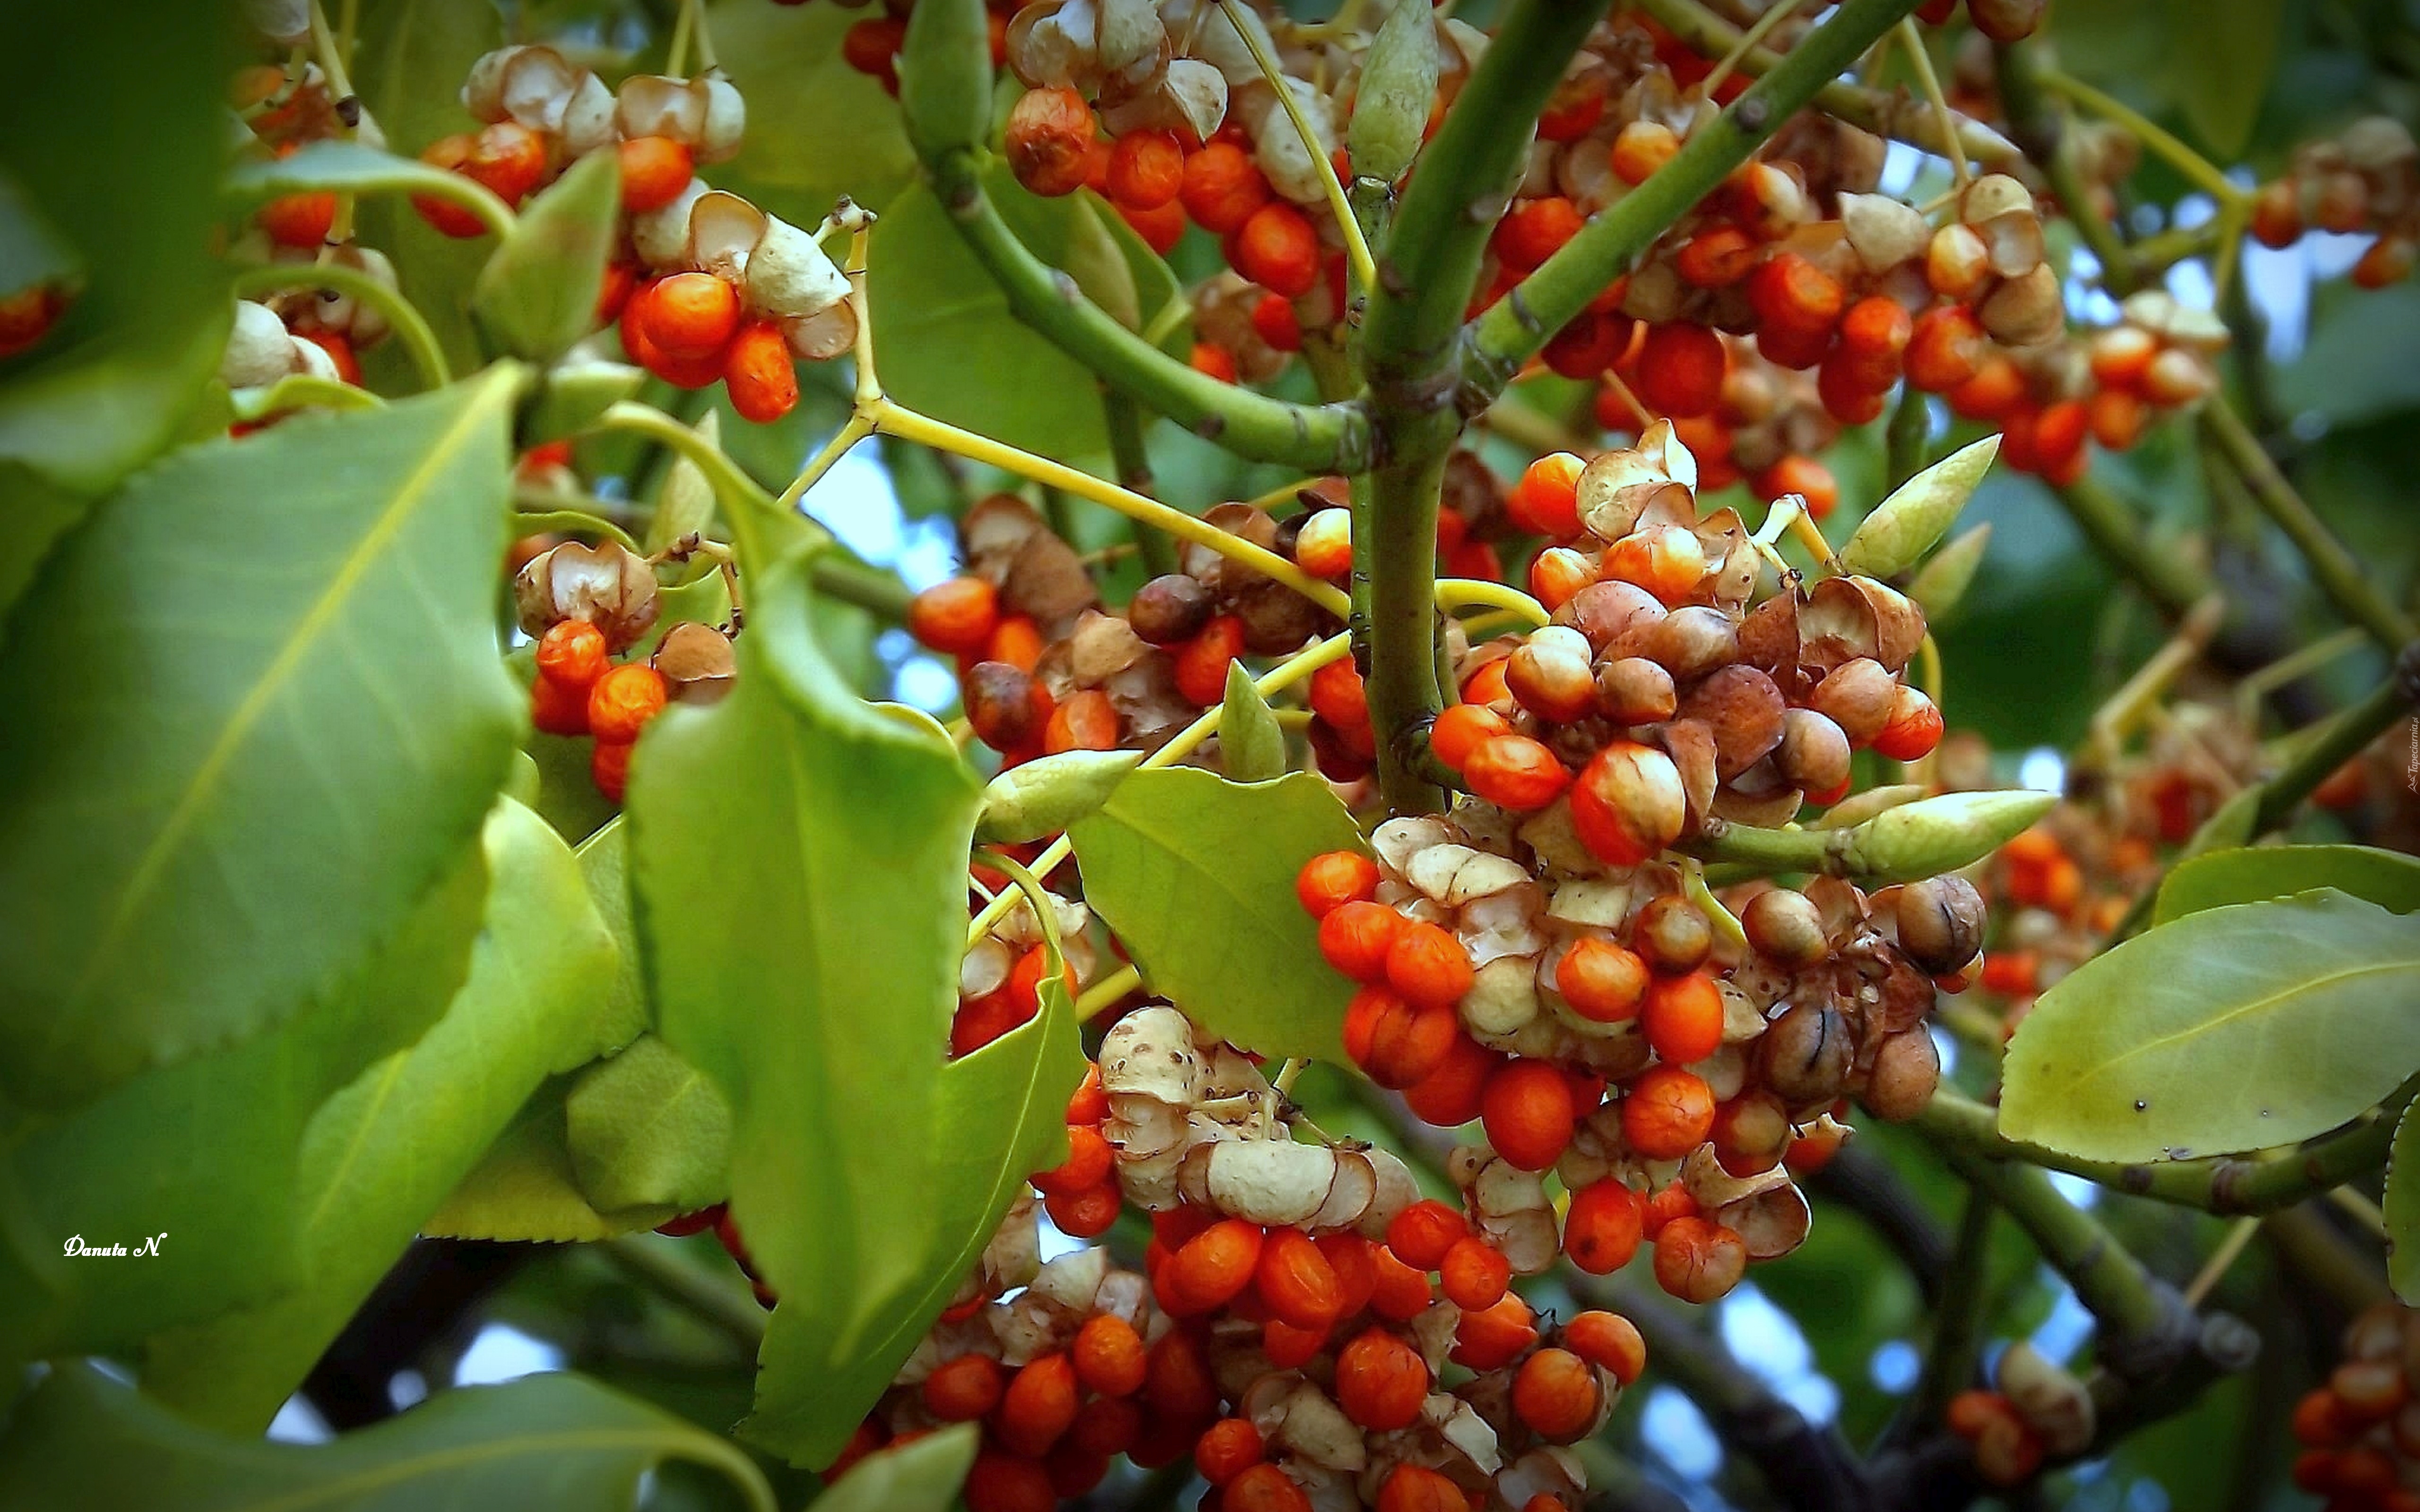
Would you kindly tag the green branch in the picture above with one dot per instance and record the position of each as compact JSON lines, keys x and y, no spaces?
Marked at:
{"x":2041,"y":131}
{"x":2223,"y":1184}
{"x":1957,"y":1344}
{"x":1517,"y":325}
{"x":2338,"y":742}
{"x":2119,"y":534}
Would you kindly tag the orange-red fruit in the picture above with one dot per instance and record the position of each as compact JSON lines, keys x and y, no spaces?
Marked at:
{"x":1356,"y":937}
{"x":1683,"y":1017}
{"x":1263,"y":1488}
{"x":451,"y":152}
{"x":1327,"y":881}
{"x":1555,"y":1394}
{"x":1450,"y":1096}
{"x":1627,"y":803}
{"x":1296,"y":1283}
{"x":1213,"y":1267}
{"x":1602,"y":982}
{"x":689,"y":314}
{"x":573,"y":653}
{"x":1914,"y":726}
{"x":1666,"y":1111}
{"x":758,"y":374}
{"x":1528,"y":1112}
{"x":300,"y":220}
{"x":1108,"y":1356}
{"x":1603,"y":1227}
{"x":1422,"y":1233}
{"x":1515,"y":772}
{"x":964,"y":1389}
{"x":1608,"y":1341}
{"x":1534,"y":230}
{"x":1789,"y":291}
{"x":1009,"y":1483}
{"x":1494,"y":1336}
{"x":956,"y":617}
{"x":1428,"y":965}
{"x":1381,"y":1381}
{"x":558,"y":708}
{"x":1419,"y":1489}
{"x":1462,"y":729}
{"x":1277,"y":248}
{"x":1085,"y":1212}
{"x":1397,"y":1045}
{"x":1698,"y":1259}
{"x":1474,"y":1273}
{"x":1038,"y":1406}
{"x":1087,"y":721}
{"x":1227,"y":1448}
{"x":1049,"y":141}
{"x":1546,"y":501}
{"x":622,"y":701}
{"x":1222,"y":187}
{"x":1681,"y":369}
{"x":654,"y":169}
{"x":1146,"y":169}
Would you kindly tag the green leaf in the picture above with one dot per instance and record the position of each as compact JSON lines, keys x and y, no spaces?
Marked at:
{"x":552,"y":1440}
{"x":2401,"y":1202}
{"x":798,"y":861}
{"x":648,"y":1129}
{"x":1251,"y":746}
{"x":2222,"y":53}
{"x":344,"y":167}
{"x":2242,"y":1026}
{"x":571,"y":397}
{"x":1038,"y":799}
{"x":818,"y":128}
{"x":1904,"y":527}
{"x":2386,"y":878}
{"x":1002,"y":1116}
{"x":604,"y":862}
{"x":1196,"y":877}
{"x":524,"y":1188}
{"x":247,"y":735}
{"x":128,"y":1165}
{"x":924,"y":1475}
{"x":686,"y":500}
{"x":1940,"y":585}
{"x":538,"y":294}
{"x":383,"y":1154}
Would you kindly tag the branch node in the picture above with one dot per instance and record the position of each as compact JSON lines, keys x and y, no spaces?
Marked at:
{"x":1752,"y":112}
{"x":2145,"y":1354}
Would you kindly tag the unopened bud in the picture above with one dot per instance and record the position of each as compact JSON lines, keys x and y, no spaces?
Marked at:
{"x":1941,"y":583}
{"x":1045,"y":796}
{"x":1904,"y":527}
{"x":1937,"y":835}
{"x":1399,"y":80}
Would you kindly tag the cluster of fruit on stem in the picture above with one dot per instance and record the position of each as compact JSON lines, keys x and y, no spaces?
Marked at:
{"x":2360,"y":1432}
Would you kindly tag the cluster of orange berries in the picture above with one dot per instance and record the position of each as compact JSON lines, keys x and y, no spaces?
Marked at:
{"x":2364,"y":178}
{"x":706,"y":287}
{"x":2360,"y":1432}
{"x":586,"y":604}
{"x":2038,"y":1410}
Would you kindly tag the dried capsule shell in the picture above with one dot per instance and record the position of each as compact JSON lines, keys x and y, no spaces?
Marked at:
{"x":1688,"y":642}
{"x":1690,"y":743}
{"x":259,"y":349}
{"x":2053,"y":1402}
{"x":1768,"y":638}
{"x":661,"y":237}
{"x":788,"y":276}
{"x":695,"y":660}
{"x":1269,"y":1181}
{"x":1349,"y":1193}
{"x":1502,"y":1000}
{"x":311,"y":360}
{"x":1993,"y":195}
{"x":588,"y":118}
{"x":651,"y":104}
{"x":2025,"y":310}
{"x":1635,"y":690}
{"x":1552,"y":680}
{"x":611,"y":588}
{"x":824,"y":335}
{"x":1856,"y":695}
{"x":1743,"y":709}
{"x":1277,"y":147}
{"x":1772,"y":1223}
{"x":725,"y":118}
{"x":1883,"y":230}
{"x":1607,"y":612}
{"x":483,"y":88}
{"x":1073,"y":1279}
{"x":1805,"y":1055}
{"x":1150,"y":1052}
{"x":724,"y":233}
{"x":537,"y":87}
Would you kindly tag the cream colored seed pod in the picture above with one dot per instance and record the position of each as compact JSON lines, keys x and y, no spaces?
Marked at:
{"x":2053,"y":1402}
{"x":725,"y":122}
{"x":612,"y":588}
{"x":588,"y":116}
{"x":1294,"y":1415}
{"x":1073,"y":1279}
{"x":661,"y":237}
{"x":1277,"y":147}
{"x":259,"y":349}
{"x":483,"y":88}
{"x":1141,"y":1127}
{"x":538,"y":88}
{"x":1150,"y":1052}
{"x":1190,"y":96}
{"x":651,"y":104}
{"x":1883,"y":230}
{"x":1014,"y":1254}
{"x":1459,"y":1424}
{"x":1273,"y":1182}
{"x":311,"y":360}
{"x":1213,"y":40}
{"x":789,"y":275}
{"x":1503,"y":997}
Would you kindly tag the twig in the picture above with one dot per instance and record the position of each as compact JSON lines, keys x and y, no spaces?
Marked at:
{"x":1949,"y":1362}
{"x":2239,"y":1234}
{"x":1911,"y":40}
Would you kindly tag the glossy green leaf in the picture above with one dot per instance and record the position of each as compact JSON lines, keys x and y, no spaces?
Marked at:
{"x":247,"y":735}
{"x":798,"y":862}
{"x":552,"y":1441}
{"x":2221,"y":56}
{"x":524,"y":1189}
{"x":1036,"y":799}
{"x":648,"y":1129}
{"x":383,"y":1154}
{"x":1196,"y":875}
{"x":818,"y":128}
{"x":1251,"y":745}
{"x":538,"y":294}
{"x":1002,"y":1116}
{"x":128,"y":1165}
{"x":2401,"y":1203}
{"x":2239,"y":1027}
{"x":1904,"y":527}
{"x":924,"y":1475}
{"x":2249,"y":875}
{"x":604,"y":861}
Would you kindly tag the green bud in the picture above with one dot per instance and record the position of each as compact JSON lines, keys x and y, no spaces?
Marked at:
{"x":537,"y":294}
{"x":1903,"y":527}
{"x":1932,"y":836}
{"x":1856,"y":809}
{"x":1940,"y":583}
{"x":1249,"y":741}
{"x":1045,"y":796}
{"x":1399,"y":80}
{"x":572,"y":396}
{"x":686,"y":501}
{"x":945,"y":76}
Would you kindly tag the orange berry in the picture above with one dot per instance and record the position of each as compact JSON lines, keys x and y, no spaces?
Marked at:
{"x":622,"y":699}
{"x":1222,"y":187}
{"x":1602,"y":982}
{"x":1546,"y":499}
{"x":1212,"y":1268}
{"x":1515,"y":772}
{"x":1461,"y":729}
{"x":1017,"y":641}
{"x":1528,"y":1113}
{"x":450,"y":152}
{"x":956,"y":616}
{"x":1944,"y":348}
{"x":1428,"y":965}
{"x":1913,"y":729}
{"x":1394,"y":1044}
{"x":1608,"y":1341}
{"x":1681,"y":369}
{"x":1200,"y":669}
{"x":1274,"y":318}
{"x":1877,"y":330}
{"x":1338,"y":695}
{"x":1494,"y":1336}
{"x":1086,"y":722}
{"x":1684,"y":1018}
{"x":1400,"y":1293}
{"x":1668,"y":561}
{"x":1558,"y":573}
{"x":1555,"y":1394}
{"x":1381,"y":1381}
{"x":1666,"y":1111}
{"x":1000,"y":1482}
{"x":1698,"y":1259}
{"x":1089,"y":1161}
{"x":572,"y":653}
{"x":509,"y":158}
{"x":1161,"y":227}
{"x":1534,"y":230}
{"x":1355,"y":937}
{"x":1049,"y":141}
{"x":1716,"y":257}
{"x":1227,"y":1448}
{"x":758,"y":373}
{"x":690,"y":315}
{"x":1146,"y":169}
{"x":1627,"y":803}
{"x":1277,"y":248}
{"x":1603,"y":1227}
{"x":1789,"y":291}
{"x":1419,"y":1489}
{"x":1213,"y":359}
{"x":1086,"y":1212}
{"x":300,"y":220}
{"x":1420,"y":1234}
{"x":964,"y":1389}
{"x":872,"y":48}
{"x":1263,"y":1488}
{"x":1038,"y":1406}
{"x":1324,"y":547}
{"x":655,"y":170}
{"x":1474,"y":1273}
{"x":2321,"y":1422}
{"x":1806,"y":477}
{"x":1296,"y":1283}
{"x":1108,"y":1356}
{"x":1672,"y":1202}
{"x":1450,"y":1095}
{"x":1328,"y":880}
{"x":1642,"y":147}
{"x":558,"y":708}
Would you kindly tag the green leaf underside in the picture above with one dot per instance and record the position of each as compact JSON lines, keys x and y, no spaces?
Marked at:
{"x":257,"y":709}
{"x":524,"y":1188}
{"x":797,"y":867}
{"x":129,"y":1166}
{"x":646,"y":1128}
{"x":2238,"y":1028}
{"x":1003,"y":1115}
{"x":2401,"y":1204}
{"x":924,"y":1475}
{"x":537,"y":294}
{"x":2386,"y":878}
{"x":547,"y":1441}
{"x":384,"y":1153}
{"x":1196,"y":875}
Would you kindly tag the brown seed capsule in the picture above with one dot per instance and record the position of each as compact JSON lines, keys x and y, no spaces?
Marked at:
{"x":1607,"y":612}
{"x":1551,"y":677}
{"x":696,"y":663}
{"x":1635,"y":690}
{"x":1693,"y":641}
{"x":1856,"y":697}
{"x":1001,"y":706}
{"x":1786,"y":927}
{"x":1171,"y":608}
{"x":609,"y":587}
{"x":1813,"y":753}
{"x":1907,"y":1068}
{"x":1940,"y":923}
{"x":1276,"y":620}
{"x":1744,"y":709}
{"x":1805,"y":1055}
{"x":1672,"y":934}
